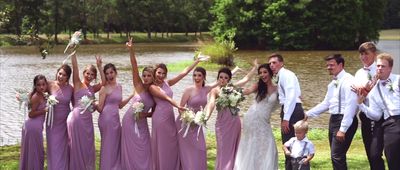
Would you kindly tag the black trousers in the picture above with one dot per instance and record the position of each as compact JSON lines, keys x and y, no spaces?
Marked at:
{"x":339,"y":149}
{"x":372,"y":135}
{"x":391,"y":133}
{"x":298,"y":114}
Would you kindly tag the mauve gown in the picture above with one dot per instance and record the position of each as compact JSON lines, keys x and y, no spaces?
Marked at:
{"x":32,"y":149}
{"x":192,"y":148}
{"x":164,"y":139}
{"x":57,"y":136}
{"x":81,"y":134}
{"x":227,"y":128}
{"x":136,"y":148}
{"x":110,"y":131}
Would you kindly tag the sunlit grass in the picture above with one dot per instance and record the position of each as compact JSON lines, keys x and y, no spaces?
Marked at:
{"x":356,"y":157}
{"x":392,"y":34}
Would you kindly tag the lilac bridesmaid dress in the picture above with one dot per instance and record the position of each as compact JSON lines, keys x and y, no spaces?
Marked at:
{"x":57,"y":136}
{"x":136,"y":147}
{"x":164,"y":140}
{"x":32,"y":149}
{"x":192,"y":148}
{"x":81,"y":134}
{"x":227,"y":128}
{"x":110,"y":131}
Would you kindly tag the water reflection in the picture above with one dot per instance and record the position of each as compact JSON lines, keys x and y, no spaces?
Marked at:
{"x":19,"y":65}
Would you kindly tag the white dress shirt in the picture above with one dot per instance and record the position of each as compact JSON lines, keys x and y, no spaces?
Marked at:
{"x":348,"y":106}
{"x":297,"y":146}
{"x":364,"y":75}
{"x":390,"y":93}
{"x":289,"y":92}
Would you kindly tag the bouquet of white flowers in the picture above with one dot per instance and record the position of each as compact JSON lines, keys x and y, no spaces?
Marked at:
{"x":187,"y":117}
{"x":73,"y":43}
{"x":137,"y":108}
{"x":200,"y":119}
{"x":86,"y":104}
{"x":230,"y":97}
{"x":51,"y":101}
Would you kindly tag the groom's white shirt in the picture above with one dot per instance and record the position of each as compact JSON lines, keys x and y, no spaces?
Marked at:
{"x":348,"y":106}
{"x":289,"y":91}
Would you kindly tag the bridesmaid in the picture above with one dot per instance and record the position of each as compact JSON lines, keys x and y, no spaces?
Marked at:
{"x":80,"y":121}
{"x":57,"y":135}
{"x":110,"y":101}
{"x":227,"y":127}
{"x":135,"y":142}
{"x":32,"y":150}
{"x":164,"y":141}
{"x":192,"y":148}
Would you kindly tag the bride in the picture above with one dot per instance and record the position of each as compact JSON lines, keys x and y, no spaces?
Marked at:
{"x":257,"y":147}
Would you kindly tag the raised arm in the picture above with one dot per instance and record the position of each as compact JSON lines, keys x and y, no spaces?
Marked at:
{"x":211,"y":102}
{"x":249,"y":75}
{"x":137,"y":82}
{"x":179,"y":77}
{"x":103,"y":82}
{"x":75,"y":72}
{"x":251,"y":89}
{"x":156,"y":92}
{"x":125,"y":101}
{"x":185,"y":97}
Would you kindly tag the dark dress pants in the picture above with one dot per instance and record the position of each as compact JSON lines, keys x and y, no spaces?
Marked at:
{"x":391,"y":133}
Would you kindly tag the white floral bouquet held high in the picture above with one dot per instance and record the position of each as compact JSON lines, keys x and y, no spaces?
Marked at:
{"x":187,"y":117}
{"x":51,"y":102}
{"x":137,"y":108}
{"x":73,"y":43}
{"x":200,"y":119}
{"x":230,"y":97}
{"x":86,"y":103}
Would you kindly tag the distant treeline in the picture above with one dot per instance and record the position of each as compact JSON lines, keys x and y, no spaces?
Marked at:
{"x":266,"y":24}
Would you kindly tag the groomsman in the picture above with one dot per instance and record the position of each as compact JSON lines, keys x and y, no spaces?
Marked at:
{"x":341,"y":102}
{"x":289,"y":97}
{"x":372,"y":132}
{"x":384,"y":101}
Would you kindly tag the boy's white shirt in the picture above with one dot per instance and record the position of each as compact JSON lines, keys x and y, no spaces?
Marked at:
{"x":296,"y":146}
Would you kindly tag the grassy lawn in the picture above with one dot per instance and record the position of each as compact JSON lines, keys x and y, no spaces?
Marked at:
{"x":356,"y":157}
{"x":392,"y":34}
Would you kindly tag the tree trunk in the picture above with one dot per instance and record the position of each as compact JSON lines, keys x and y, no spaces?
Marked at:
{"x":55,"y":21}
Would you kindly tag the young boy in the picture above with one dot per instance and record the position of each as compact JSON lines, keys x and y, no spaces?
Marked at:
{"x":299,"y":148}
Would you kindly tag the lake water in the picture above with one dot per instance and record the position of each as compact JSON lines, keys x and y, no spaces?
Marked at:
{"x":19,"y":65}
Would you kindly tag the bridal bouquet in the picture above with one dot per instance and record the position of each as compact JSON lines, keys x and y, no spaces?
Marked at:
{"x":51,"y":102}
{"x":137,"y":108}
{"x":73,"y":43}
{"x":187,"y":117}
{"x":86,"y":104}
{"x":230,"y":97}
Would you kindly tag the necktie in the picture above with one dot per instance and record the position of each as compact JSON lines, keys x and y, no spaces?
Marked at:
{"x":385,"y":82}
{"x":366,"y":69}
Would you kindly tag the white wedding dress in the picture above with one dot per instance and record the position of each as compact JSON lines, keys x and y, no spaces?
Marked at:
{"x":257,"y":148}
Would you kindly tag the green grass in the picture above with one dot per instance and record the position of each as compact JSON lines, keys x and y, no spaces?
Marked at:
{"x":356,"y":157}
{"x":392,"y":34}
